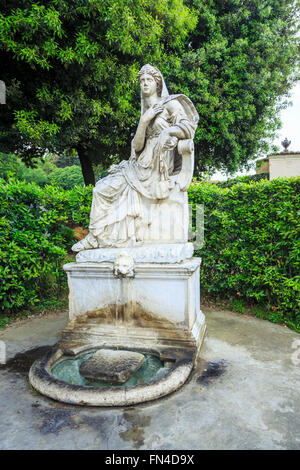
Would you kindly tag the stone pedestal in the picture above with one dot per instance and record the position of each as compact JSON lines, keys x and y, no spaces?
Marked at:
{"x":156,"y":307}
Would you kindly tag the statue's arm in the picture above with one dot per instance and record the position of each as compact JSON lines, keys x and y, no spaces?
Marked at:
{"x":175,"y":131}
{"x":181,"y":126}
{"x":139,"y":138}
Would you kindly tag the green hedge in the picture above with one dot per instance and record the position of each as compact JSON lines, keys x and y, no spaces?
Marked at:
{"x":251,"y":251}
{"x":242,"y":179}
{"x":35,"y":235}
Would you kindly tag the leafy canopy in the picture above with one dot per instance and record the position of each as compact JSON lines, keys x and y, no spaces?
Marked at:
{"x":70,"y":69}
{"x":242,"y":61}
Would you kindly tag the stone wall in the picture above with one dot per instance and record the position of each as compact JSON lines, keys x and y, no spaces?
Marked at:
{"x":284,"y":164}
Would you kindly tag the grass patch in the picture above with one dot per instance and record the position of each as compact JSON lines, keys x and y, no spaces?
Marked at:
{"x":43,"y":306}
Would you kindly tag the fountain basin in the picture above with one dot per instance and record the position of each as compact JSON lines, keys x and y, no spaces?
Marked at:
{"x":152,"y":308}
{"x":42,"y":378}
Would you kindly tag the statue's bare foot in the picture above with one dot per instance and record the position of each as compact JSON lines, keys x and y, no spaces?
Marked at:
{"x":86,"y":243}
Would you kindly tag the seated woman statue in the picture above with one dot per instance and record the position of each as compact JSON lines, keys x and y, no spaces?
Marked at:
{"x":118,"y":216}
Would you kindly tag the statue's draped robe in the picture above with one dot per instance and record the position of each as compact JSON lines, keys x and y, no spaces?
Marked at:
{"x":118,"y":216}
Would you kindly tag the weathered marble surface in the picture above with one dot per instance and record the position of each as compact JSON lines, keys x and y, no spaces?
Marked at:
{"x":146,"y":253}
{"x":108,"y":365}
{"x":167,"y":290}
{"x":144,"y":199}
{"x":46,"y":384}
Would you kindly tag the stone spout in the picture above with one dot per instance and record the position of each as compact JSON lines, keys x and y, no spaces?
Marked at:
{"x":124,"y":265}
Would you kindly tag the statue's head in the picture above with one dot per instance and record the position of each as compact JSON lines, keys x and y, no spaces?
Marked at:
{"x":150,"y":71}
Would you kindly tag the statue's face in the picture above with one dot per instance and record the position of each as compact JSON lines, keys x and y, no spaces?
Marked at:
{"x":124,"y":265}
{"x":148,"y":84}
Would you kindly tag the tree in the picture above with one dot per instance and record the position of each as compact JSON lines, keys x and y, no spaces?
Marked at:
{"x":70,"y":70}
{"x":65,"y":159}
{"x":11,"y":165}
{"x":242,"y":61}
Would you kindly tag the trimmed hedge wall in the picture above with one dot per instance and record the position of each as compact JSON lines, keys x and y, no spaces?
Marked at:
{"x":35,"y":236}
{"x":251,"y":251}
{"x":242,"y":179}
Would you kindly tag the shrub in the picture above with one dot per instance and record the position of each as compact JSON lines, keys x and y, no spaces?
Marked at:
{"x":11,"y":164}
{"x":32,"y":175}
{"x":242,"y":179}
{"x":67,"y":177}
{"x":250,"y":254}
{"x":44,"y":172}
{"x":35,"y":236}
{"x":252,"y":244}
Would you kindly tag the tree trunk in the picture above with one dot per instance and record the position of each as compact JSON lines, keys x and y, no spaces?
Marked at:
{"x":86,"y":166}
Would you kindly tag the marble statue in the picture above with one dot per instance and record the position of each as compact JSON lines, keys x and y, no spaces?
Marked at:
{"x":135,"y":286}
{"x":159,"y":169}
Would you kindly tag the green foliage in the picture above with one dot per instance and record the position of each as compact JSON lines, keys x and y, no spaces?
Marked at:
{"x":66,"y":159}
{"x":4,"y":321}
{"x":242,"y":179}
{"x":33,"y":175}
{"x":251,"y":251}
{"x":67,"y":177}
{"x":10,"y":165}
{"x":243,"y":58}
{"x":70,"y":70}
{"x":238,"y":305}
{"x":34,"y":239}
{"x":43,"y":305}
{"x":51,"y":303}
{"x":45,"y":172}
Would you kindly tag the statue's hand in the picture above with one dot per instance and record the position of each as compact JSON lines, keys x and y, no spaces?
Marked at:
{"x":166,"y":142}
{"x":151,"y":113}
{"x":170,"y":143}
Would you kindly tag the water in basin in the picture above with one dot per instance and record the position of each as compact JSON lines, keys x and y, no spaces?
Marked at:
{"x":68,"y":371}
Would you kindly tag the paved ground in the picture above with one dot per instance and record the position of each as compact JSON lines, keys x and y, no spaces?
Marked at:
{"x":244,"y":394}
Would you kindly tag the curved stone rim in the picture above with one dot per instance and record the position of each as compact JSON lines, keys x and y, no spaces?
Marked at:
{"x":45,"y":383}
